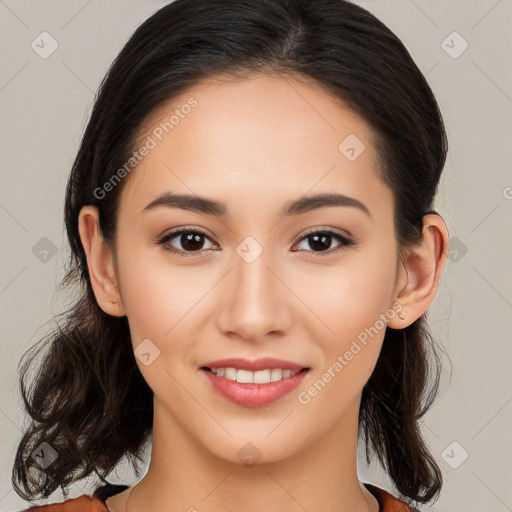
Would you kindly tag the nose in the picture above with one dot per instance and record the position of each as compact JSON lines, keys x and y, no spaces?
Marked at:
{"x":255,"y":301}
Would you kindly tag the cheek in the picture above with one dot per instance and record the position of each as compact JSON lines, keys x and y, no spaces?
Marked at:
{"x":166,"y":302}
{"x":351,"y":301}
{"x":351,"y":296}
{"x":155,"y":295}
{"x":163,"y":305}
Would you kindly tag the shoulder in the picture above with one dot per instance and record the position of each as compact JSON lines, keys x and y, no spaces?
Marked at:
{"x":96,"y":503}
{"x":84,"y":503}
{"x":388,"y":502}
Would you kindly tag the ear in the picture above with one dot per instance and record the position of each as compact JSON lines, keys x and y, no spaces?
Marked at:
{"x":419,"y":275}
{"x":100,"y":262}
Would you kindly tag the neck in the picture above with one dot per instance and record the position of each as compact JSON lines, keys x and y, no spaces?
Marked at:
{"x":184,"y":475}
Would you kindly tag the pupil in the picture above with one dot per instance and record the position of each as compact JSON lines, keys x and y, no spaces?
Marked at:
{"x":322,"y":245}
{"x":192,"y":241}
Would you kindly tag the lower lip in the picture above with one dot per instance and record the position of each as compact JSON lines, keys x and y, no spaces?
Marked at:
{"x":254,"y":395}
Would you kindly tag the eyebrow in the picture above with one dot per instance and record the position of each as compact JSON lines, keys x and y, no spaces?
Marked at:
{"x":211,"y":207}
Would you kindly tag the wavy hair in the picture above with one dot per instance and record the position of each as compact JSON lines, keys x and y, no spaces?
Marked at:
{"x":88,"y":399}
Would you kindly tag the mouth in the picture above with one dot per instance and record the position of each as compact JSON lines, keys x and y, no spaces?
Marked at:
{"x":242,"y":376}
{"x":268,"y":381}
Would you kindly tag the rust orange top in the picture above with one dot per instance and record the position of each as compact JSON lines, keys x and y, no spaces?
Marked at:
{"x":96,"y":502}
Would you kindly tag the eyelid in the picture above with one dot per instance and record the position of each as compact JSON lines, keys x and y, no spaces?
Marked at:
{"x":322,"y":229}
{"x":178,"y":230}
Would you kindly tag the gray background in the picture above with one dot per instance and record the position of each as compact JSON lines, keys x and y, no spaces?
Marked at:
{"x":45,"y":104}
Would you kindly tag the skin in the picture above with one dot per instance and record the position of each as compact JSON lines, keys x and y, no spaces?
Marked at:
{"x":255,"y":144}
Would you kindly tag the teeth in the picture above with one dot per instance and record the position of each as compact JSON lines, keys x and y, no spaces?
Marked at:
{"x":230,"y":374}
{"x":246,"y":376}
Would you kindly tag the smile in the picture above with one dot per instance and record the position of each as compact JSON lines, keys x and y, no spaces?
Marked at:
{"x":253,"y":389}
{"x":248,"y":377}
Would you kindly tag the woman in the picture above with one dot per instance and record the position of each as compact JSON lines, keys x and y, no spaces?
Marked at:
{"x":250,"y":218}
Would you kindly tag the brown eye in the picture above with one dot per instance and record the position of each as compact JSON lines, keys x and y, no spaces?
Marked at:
{"x":320,"y":241}
{"x":188,"y":241}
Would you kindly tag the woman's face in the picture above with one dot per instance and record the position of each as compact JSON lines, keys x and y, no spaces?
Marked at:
{"x":253,"y":283}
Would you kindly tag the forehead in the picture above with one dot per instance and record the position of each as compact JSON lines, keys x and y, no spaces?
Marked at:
{"x":261,"y":138}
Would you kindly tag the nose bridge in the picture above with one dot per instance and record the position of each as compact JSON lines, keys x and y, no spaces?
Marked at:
{"x":254,"y":303}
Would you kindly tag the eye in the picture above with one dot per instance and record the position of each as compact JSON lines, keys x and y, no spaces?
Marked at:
{"x":190,"y":240}
{"x":322,"y":239}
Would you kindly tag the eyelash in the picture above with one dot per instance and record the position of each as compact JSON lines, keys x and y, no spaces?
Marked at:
{"x":344,"y":241}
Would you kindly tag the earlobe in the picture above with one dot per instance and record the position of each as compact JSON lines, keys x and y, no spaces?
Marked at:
{"x":100,"y":262}
{"x":420,"y":273}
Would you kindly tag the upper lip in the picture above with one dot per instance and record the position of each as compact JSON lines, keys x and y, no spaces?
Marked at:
{"x":254,"y":365}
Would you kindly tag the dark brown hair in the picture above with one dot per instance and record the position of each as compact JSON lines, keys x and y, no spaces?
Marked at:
{"x":88,"y":399}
